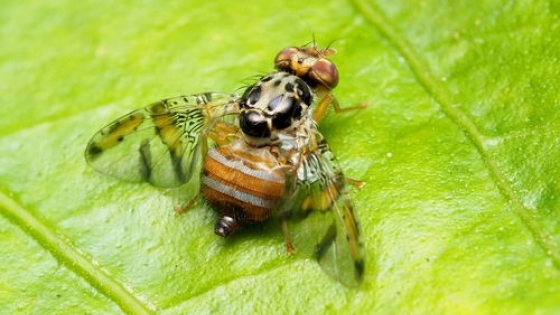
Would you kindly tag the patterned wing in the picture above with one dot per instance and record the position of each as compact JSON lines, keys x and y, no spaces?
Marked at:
{"x":321,"y":195}
{"x":160,"y":143}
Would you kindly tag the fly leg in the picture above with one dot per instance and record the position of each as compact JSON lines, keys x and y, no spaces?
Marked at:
{"x":328,"y":99}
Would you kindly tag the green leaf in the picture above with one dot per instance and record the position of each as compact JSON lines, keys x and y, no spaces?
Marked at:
{"x":459,"y":149}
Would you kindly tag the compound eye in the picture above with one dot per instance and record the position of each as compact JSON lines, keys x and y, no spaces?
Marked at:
{"x":324,"y":71}
{"x":254,"y":124}
{"x":284,"y":58}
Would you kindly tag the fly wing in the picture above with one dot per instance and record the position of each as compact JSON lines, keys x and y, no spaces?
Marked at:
{"x":161,"y":143}
{"x":340,"y":251}
{"x":320,"y":194}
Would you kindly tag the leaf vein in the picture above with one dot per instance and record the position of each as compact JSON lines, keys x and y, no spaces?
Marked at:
{"x":443,"y":97}
{"x":71,"y":257}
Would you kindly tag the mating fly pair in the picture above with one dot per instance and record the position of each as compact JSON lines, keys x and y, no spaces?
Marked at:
{"x":261,"y":152}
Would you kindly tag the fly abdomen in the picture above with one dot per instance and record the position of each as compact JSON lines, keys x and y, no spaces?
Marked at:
{"x":243,"y":185}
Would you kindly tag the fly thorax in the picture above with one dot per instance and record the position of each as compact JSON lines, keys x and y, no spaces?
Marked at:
{"x":275,"y":104}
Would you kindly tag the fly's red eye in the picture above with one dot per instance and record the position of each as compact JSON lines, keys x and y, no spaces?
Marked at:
{"x":283,"y":60}
{"x":324,"y":71}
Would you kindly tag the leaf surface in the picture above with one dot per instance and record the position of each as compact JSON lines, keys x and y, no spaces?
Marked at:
{"x":459,"y":149}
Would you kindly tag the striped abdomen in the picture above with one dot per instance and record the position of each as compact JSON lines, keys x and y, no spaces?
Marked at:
{"x":243,"y":183}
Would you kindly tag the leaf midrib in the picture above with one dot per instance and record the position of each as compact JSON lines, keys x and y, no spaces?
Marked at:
{"x":440,"y":93}
{"x":71,"y":257}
